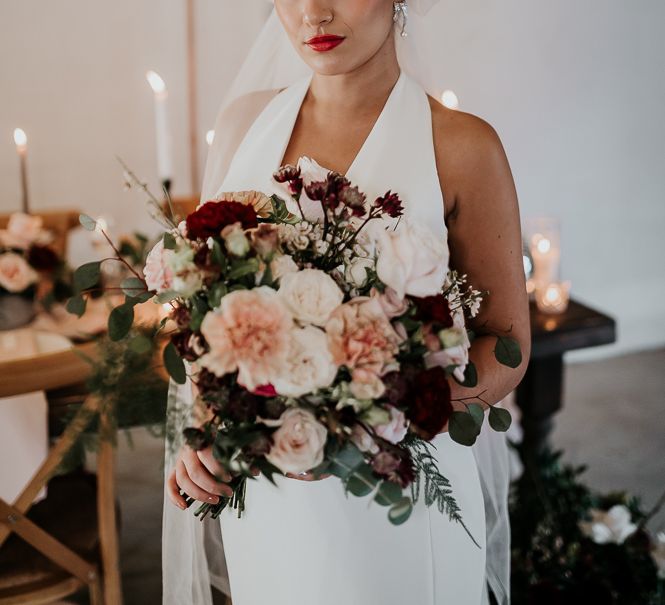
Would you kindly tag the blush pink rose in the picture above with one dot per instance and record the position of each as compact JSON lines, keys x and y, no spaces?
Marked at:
{"x":362,"y":338}
{"x":250,"y":332}
{"x":23,"y":230}
{"x":158,"y":275}
{"x":298,"y":443}
{"x":392,"y":304}
{"x":395,"y":429}
{"x":16,"y":275}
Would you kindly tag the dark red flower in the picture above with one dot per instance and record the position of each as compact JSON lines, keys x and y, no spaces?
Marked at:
{"x":265,"y":390}
{"x":188,"y":344}
{"x":390,"y":204}
{"x":212,"y":217}
{"x":43,"y":258}
{"x":291,"y":175}
{"x":353,"y":199}
{"x":434,"y":309}
{"x":316,"y":190}
{"x":428,"y":401}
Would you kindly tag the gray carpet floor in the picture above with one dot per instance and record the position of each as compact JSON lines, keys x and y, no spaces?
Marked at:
{"x":613,"y":421}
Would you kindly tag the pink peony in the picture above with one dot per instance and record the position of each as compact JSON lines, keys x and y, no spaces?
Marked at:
{"x":298,"y":443}
{"x":16,"y":275}
{"x":391,"y":303}
{"x":250,"y":332}
{"x":362,"y":338}
{"x":158,"y":274}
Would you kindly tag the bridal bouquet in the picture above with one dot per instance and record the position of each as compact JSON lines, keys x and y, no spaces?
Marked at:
{"x":321,"y":331}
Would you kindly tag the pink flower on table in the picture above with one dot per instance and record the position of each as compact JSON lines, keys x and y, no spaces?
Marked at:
{"x":22,"y":231}
{"x":362,"y":338}
{"x":250,"y":332}
{"x":298,"y":443}
{"x":158,"y":274}
{"x":16,"y":275}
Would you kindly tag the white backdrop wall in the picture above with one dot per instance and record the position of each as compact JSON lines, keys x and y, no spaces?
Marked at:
{"x":575,"y":90}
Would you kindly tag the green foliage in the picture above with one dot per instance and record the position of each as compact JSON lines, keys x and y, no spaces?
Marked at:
{"x":400,"y":511}
{"x":87,"y":276}
{"x":120,"y":321}
{"x":437,"y":488}
{"x":553,"y":561}
{"x":174,"y":364}
{"x":508,"y":352}
{"x":463,"y":428}
{"x":470,"y":375}
{"x":87,"y":222}
{"x":169,"y":241}
{"x":76,"y":305}
{"x":500,"y":419}
{"x":280,"y":213}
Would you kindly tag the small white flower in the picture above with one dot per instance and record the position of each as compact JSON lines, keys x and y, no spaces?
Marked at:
{"x":357,"y":271}
{"x":658,"y":554}
{"x":612,"y":526}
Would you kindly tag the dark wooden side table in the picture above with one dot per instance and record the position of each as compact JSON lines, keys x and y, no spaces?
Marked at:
{"x":539,"y":395}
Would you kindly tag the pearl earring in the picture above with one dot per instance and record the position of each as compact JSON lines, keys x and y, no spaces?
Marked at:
{"x":400,"y":13}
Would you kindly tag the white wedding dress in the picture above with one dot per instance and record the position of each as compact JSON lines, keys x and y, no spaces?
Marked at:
{"x":306,"y":543}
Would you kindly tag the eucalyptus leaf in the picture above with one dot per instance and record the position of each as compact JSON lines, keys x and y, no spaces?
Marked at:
{"x":500,"y":419}
{"x":169,"y":241}
{"x":87,"y":222}
{"x":389,"y":493}
{"x":216,"y":293}
{"x":470,"y":375}
{"x":507,"y":351}
{"x":217,"y":256}
{"x":344,"y":462}
{"x":362,"y":481}
{"x":463,"y":428}
{"x":165,"y":297}
{"x":477,"y":413}
{"x":133,"y":286}
{"x":87,"y":275}
{"x":76,"y":305}
{"x":120,"y":322}
{"x":400,"y":511}
{"x":174,"y":364}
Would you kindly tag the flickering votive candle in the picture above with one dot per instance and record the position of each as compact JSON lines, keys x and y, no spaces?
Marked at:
{"x":545,"y":247}
{"x":554,"y":297}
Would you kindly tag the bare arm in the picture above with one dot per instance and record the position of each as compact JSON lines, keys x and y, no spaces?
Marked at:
{"x":482,"y":215}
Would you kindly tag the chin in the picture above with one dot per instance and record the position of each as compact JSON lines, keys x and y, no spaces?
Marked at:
{"x":329,"y":66}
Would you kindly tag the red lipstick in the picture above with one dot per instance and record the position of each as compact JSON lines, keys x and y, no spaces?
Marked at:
{"x":324,"y":43}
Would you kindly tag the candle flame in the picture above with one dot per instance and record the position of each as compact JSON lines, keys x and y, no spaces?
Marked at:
{"x":210,"y":136}
{"x":20,"y":138}
{"x":543,"y":245}
{"x":449,"y":99}
{"x":156,"y":82}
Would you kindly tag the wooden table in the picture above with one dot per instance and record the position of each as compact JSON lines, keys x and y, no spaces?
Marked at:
{"x":539,"y":395}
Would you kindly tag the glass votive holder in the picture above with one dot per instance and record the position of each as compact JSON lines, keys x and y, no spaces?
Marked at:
{"x":543,"y":235}
{"x":554,"y":297}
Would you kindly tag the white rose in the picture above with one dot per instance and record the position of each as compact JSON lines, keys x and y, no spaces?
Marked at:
{"x":394,"y":430}
{"x":187,"y":277}
{"x":309,"y":364}
{"x":412,"y":260}
{"x":298,"y":443}
{"x":356,"y":272}
{"x":612,"y":526}
{"x":658,"y":554}
{"x":281,"y":265}
{"x":16,"y":275}
{"x":311,"y":295}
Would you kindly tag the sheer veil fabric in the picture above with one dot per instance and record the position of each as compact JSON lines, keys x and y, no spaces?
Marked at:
{"x":192,"y":551}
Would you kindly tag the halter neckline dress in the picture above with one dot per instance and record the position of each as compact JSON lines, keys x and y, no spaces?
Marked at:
{"x":306,"y":543}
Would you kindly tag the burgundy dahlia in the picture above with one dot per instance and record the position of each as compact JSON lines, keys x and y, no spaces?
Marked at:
{"x":428,"y":400}
{"x":43,"y":258}
{"x":434,"y":309}
{"x":212,"y":217}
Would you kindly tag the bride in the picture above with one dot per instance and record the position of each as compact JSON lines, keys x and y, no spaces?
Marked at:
{"x":352,"y":97}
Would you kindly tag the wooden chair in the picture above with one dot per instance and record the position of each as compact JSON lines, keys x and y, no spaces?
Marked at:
{"x":62,"y":560}
{"x":58,"y":222}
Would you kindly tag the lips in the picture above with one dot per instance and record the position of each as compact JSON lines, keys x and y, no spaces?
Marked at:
{"x":325,"y":43}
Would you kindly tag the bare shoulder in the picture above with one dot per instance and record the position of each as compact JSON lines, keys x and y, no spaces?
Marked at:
{"x":468,"y":151}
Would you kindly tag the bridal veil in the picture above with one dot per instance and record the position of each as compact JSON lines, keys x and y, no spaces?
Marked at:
{"x":192,"y":551}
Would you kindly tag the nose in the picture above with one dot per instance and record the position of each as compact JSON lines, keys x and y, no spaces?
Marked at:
{"x":315,"y":15}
